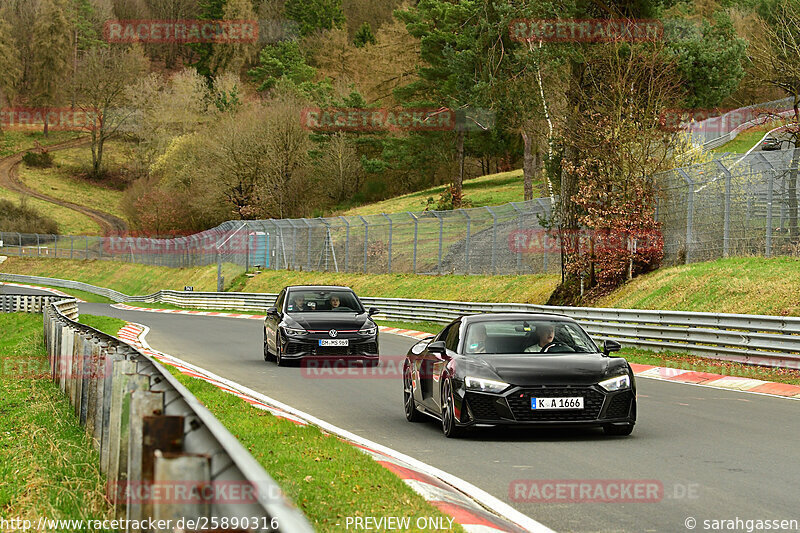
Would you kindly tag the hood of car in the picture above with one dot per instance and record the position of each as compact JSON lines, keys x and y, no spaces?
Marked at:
{"x":544,"y":369}
{"x":324,"y":321}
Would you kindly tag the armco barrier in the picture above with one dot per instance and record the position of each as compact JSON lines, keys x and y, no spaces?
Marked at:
{"x":165,"y":456}
{"x":753,"y":339}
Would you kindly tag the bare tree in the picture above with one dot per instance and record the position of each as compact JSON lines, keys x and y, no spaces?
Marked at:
{"x":104,"y":76}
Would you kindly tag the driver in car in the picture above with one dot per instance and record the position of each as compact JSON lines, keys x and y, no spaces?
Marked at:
{"x":300,"y":304}
{"x":335,"y":302}
{"x":546,"y":334}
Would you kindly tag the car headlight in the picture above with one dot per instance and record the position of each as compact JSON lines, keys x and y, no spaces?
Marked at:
{"x":485,"y":385}
{"x":616,"y":383}
{"x":371,"y":329}
{"x":295,"y":331}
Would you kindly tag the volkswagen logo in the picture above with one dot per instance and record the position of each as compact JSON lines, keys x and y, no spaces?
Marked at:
{"x":333,"y":333}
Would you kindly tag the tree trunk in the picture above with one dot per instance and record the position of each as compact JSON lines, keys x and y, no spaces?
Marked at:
{"x":528,"y":166}
{"x":45,"y":131}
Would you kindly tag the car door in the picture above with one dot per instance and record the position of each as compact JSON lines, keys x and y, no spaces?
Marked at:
{"x":272,"y":321}
{"x":425,"y":370}
{"x":451,"y":341}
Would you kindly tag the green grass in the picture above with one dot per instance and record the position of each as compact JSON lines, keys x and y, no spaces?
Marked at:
{"x":105,"y":324}
{"x":748,"y":285}
{"x":64,"y":180}
{"x":667,"y":359}
{"x":12,"y":142}
{"x":47,"y":466}
{"x":746,"y":139}
{"x":327,"y":478}
{"x":69,"y":222}
{"x":493,"y":189}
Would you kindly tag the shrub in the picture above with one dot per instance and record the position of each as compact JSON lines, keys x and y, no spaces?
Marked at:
{"x":38,"y":159}
{"x":24,"y":219}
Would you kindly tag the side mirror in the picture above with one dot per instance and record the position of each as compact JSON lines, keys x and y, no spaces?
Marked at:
{"x":373,"y":311}
{"x":437,"y":347}
{"x":611,"y":346}
{"x":272,"y":311}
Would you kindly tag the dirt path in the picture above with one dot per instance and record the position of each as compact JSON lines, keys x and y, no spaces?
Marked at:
{"x":9,"y":179}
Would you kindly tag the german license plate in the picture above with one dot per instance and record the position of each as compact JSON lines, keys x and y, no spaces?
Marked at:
{"x":334,"y":342}
{"x":545,"y":404}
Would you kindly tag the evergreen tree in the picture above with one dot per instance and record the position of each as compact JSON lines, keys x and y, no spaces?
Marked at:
{"x":364,"y":36}
{"x":313,"y":15}
{"x":51,"y":54}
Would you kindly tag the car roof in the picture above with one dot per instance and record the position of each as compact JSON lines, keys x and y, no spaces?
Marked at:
{"x":316,"y":287}
{"x":490,"y":317}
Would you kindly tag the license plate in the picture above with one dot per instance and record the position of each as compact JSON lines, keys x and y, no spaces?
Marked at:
{"x":545,"y":404}
{"x":334,"y":342}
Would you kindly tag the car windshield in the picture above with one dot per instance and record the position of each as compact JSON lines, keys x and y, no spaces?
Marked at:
{"x":311,"y":301}
{"x":520,"y":336}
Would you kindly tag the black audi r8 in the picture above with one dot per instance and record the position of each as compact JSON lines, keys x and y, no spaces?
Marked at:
{"x":320,"y":321}
{"x":518,"y":369}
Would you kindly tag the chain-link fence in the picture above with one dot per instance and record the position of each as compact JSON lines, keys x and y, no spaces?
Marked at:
{"x":716,"y":131}
{"x":730,"y":207}
{"x":736,"y":205}
{"x":505,"y":239}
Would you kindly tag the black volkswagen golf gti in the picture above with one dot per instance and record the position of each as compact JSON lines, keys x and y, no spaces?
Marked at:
{"x":320,"y":321}
{"x":518,"y":369}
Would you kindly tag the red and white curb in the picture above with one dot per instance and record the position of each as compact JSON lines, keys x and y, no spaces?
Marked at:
{"x":717,"y":381}
{"x":472,"y":508}
{"x":46,"y":289}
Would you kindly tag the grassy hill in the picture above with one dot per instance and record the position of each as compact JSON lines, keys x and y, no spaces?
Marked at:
{"x":749,"y":285}
{"x":492,"y":189}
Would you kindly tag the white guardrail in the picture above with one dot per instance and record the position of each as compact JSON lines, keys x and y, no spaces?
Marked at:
{"x":753,"y":339}
{"x":156,"y":441}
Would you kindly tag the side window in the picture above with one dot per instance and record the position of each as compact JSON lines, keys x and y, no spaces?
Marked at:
{"x":279,"y":300}
{"x":442,"y":336}
{"x":451,"y":342}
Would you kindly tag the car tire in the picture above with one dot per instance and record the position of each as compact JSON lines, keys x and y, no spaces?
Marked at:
{"x":449,"y":427}
{"x":618,"y":431}
{"x":279,"y":360}
{"x":409,"y":403}
{"x":267,"y":354}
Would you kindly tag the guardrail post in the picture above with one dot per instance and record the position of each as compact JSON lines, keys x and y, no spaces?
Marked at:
{"x":144,"y":403}
{"x":121,"y":374}
{"x":390,"y":241}
{"x":192,"y":472}
{"x":113,"y":360}
{"x":164,"y":433}
{"x":118,"y":467}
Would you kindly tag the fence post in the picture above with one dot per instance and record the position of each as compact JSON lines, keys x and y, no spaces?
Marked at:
{"x":366,"y":240}
{"x":220,"y":280}
{"x":466,"y":241}
{"x":689,"y":214}
{"x":416,"y":232}
{"x":389,"y":267}
{"x":86,"y":254}
{"x":19,"y":235}
{"x":519,"y":228}
{"x":346,"y":243}
{"x":770,"y":188}
{"x":441,"y":230}
{"x":726,"y":223}
{"x":308,"y":242}
{"x":38,"y":246}
{"x":494,"y":239}
{"x":544,"y":235}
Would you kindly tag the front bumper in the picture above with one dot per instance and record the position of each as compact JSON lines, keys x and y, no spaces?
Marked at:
{"x":512,"y":408}
{"x":359,"y":347}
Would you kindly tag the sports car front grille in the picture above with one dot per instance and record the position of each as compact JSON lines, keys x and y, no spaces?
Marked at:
{"x":620,"y":405}
{"x":520,"y":403}
{"x":294,"y":347}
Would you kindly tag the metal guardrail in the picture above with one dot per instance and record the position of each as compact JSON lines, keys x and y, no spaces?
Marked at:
{"x":165,"y":456}
{"x":753,"y":339}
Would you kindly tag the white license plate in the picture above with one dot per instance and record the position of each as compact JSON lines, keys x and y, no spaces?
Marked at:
{"x":545,"y":404}
{"x":334,"y":342}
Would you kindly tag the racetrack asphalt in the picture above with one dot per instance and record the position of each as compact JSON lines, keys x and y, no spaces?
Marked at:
{"x":718,"y":454}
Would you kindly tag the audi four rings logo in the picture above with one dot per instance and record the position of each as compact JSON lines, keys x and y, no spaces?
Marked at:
{"x":333,"y":333}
